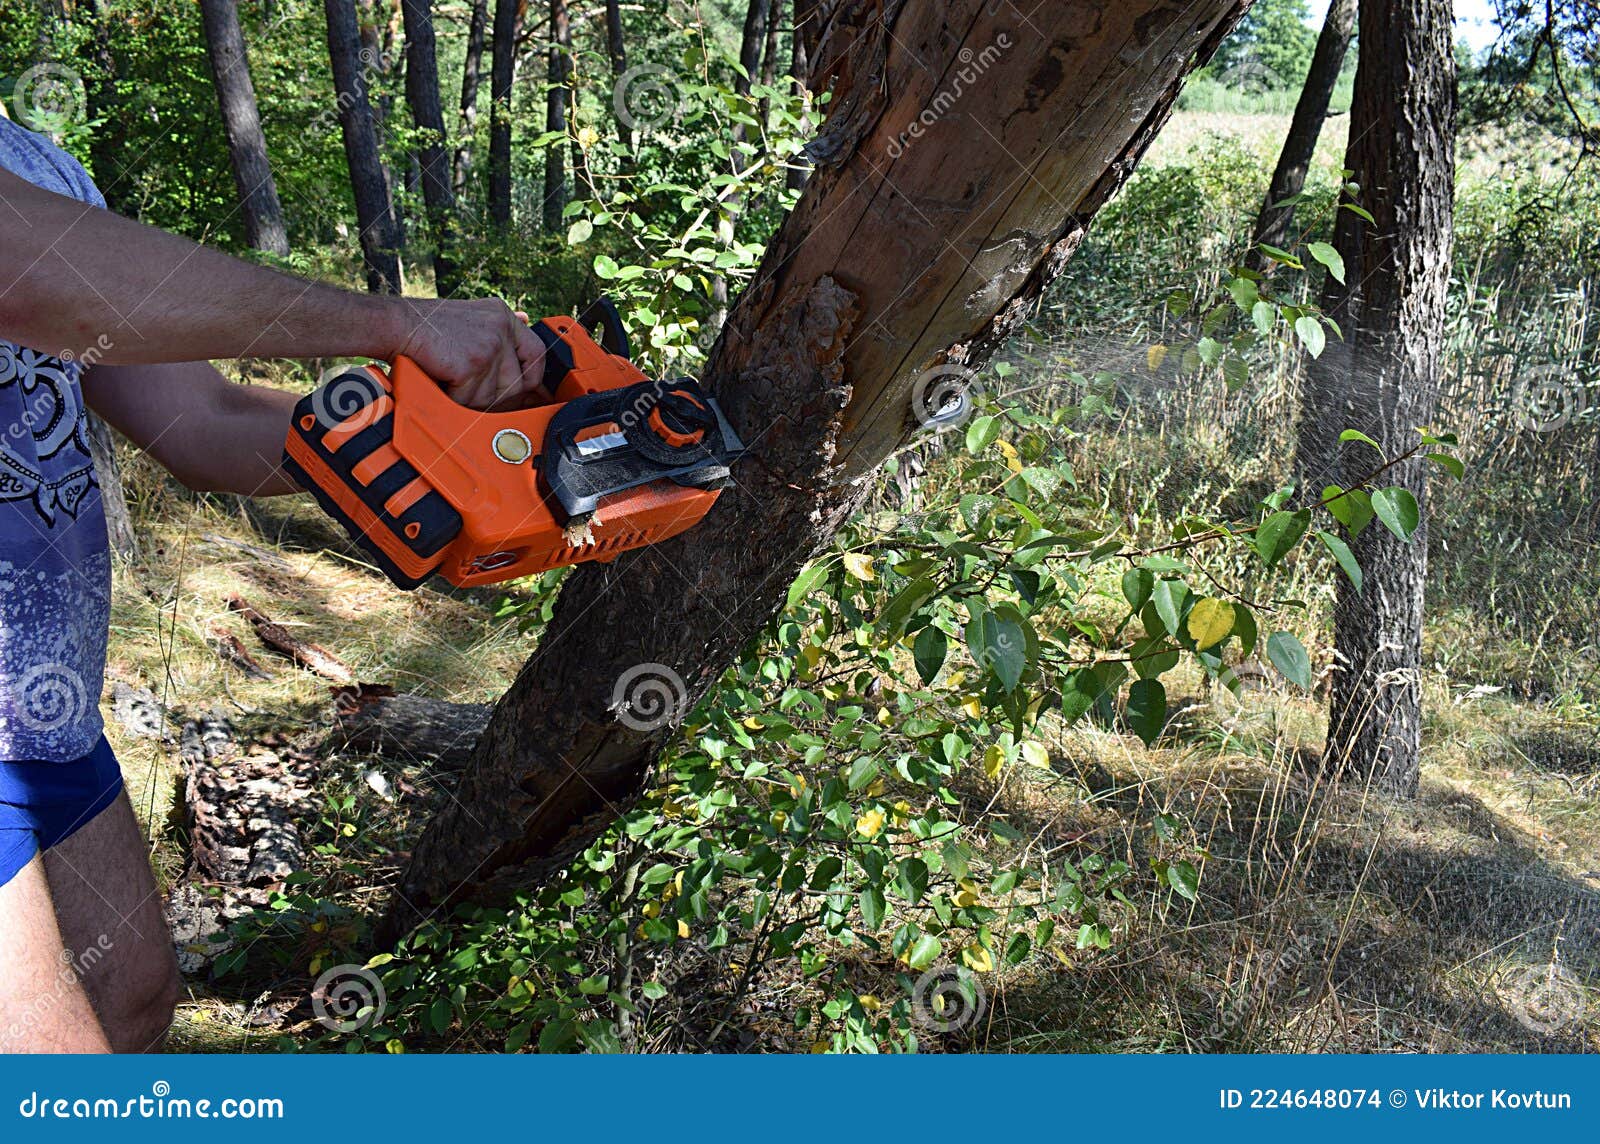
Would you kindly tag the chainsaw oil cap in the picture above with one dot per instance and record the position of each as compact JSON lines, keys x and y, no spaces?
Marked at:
{"x":512,"y":446}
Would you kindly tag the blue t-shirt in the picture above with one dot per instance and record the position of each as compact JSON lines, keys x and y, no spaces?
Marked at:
{"x":55,"y":567}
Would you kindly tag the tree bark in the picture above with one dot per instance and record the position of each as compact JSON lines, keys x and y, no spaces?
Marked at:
{"x":259,"y":207}
{"x":469,"y":95}
{"x":888,"y":266}
{"x":1275,"y":225}
{"x":380,"y":239}
{"x":507,"y":16}
{"x":617,"y":51}
{"x":558,"y":75}
{"x":1383,"y":381}
{"x":422,"y":93}
{"x":108,"y":471}
{"x":803,"y":43}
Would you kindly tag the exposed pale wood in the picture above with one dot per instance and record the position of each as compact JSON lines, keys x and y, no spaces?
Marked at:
{"x":313,"y":657}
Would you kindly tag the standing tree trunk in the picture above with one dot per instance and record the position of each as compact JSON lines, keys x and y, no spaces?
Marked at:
{"x":803,"y":43}
{"x":247,"y":146}
{"x":558,"y":76}
{"x":750,"y":45}
{"x":864,"y":287}
{"x":507,"y":15}
{"x":422,"y":93}
{"x":1402,"y":150}
{"x":617,"y":51}
{"x":380,"y":238}
{"x":1275,"y":224}
{"x":462,"y":162}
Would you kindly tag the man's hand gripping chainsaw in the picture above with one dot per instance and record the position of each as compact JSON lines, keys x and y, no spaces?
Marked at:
{"x":615,"y":461}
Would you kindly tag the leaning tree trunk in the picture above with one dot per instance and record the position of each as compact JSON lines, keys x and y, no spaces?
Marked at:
{"x":422,"y":93}
{"x":1274,"y":224}
{"x":866,"y":286}
{"x":380,"y":238}
{"x":1402,"y":151}
{"x":241,"y":123}
{"x":559,"y":75}
{"x":462,"y":161}
{"x":507,"y":15}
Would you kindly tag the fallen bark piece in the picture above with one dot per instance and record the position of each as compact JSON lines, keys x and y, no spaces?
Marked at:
{"x":231,"y":650}
{"x":313,"y":657}
{"x":140,"y":713}
{"x":370,"y":717}
{"x":243,"y":808}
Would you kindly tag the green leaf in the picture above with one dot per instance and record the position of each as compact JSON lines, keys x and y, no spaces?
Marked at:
{"x":982,"y":433}
{"x":862,"y":772}
{"x":1341,"y":553}
{"x":929,"y":651}
{"x":1278,"y":254}
{"x":1352,"y":509}
{"x":1136,"y":586}
{"x":1147,"y":709}
{"x":605,"y":266}
{"x":1184,"y":878}
{"x":905,"y":604}
{"x":1449,"y":464}
{"x":1169,"y":597}
{"x":923,"y":952}
{"x":913,"y":879}
{"x":1329,"y":257}
{"x":1311,"y":334}
{"x":1398,"y":511}
{"x":1358,"y":435}
{"x":1244,"y":626}
{"x":873,"y":907}
{"x":1360,"y":212}
{"x":1279,"y":533}
{"x":805,"y":583}
{"x":579,"y":232}
{"x":999,"y":644}
{"x":1264,"y":315}
{"x":1289,"y":656}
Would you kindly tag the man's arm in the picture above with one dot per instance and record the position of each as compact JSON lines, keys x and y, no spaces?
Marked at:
{"x":210,"y":433}
{"x":75,"y":278}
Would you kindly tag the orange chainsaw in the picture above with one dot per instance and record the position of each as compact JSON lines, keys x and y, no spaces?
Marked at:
{"x":615,"y":461}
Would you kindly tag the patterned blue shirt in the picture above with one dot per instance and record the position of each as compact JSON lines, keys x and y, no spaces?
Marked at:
{"x":55,"y":567}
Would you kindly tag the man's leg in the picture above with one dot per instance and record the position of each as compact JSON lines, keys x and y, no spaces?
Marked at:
{"x":110,"y":917}
{"x":43,"y":1006}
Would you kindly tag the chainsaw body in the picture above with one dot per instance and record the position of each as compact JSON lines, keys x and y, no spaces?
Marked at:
{"x":616,"y":461}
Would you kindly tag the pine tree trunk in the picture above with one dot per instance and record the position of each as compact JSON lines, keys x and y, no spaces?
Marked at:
{"x":380,"y":240}
{"x":803,"y":43}
{"x":617,"y":50}
{"x":862,"y":290}
{"x":507,"y":15}
{"x":247,"y":146}
{"x":462,"y":162}
{"x":1275,"y":225}
{"x":558,"y":75}
{"x":1384,"y":382}
{"x":422,"y":93}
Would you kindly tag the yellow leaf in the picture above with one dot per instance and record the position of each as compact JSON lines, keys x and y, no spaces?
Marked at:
{"x":967,"y":894}
{"x":753,"y":723}
{"x":316,"y":966}
{"x":993,"y":759}
{"x":651,"y":909}
{"x":870,"y":824}
{"x":859,"y":565}
{"x":955,"y":679}
{"x":587,"y":137}
{"x":820,"y":1046}
{"x":972,"y":707}
{"x":779,"y":819}
{"x":868,"y":1002}
{"x":1210,"y":622}
{"x":1060,"y":955}
{"x":875,"y":790}
{"x":1034,"y":754}
{"x":1009,"y":452}
{"x":885,"y":716}
{"x":976,"y":958}
{"x":1154,"y":356}
{"x":639,"y":933}
{"x":683,"y":928}
{"x":394,"y":1045}
{"x":902,"y":811}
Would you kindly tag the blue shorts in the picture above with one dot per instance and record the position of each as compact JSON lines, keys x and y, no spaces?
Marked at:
{"x":42,"y":804}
